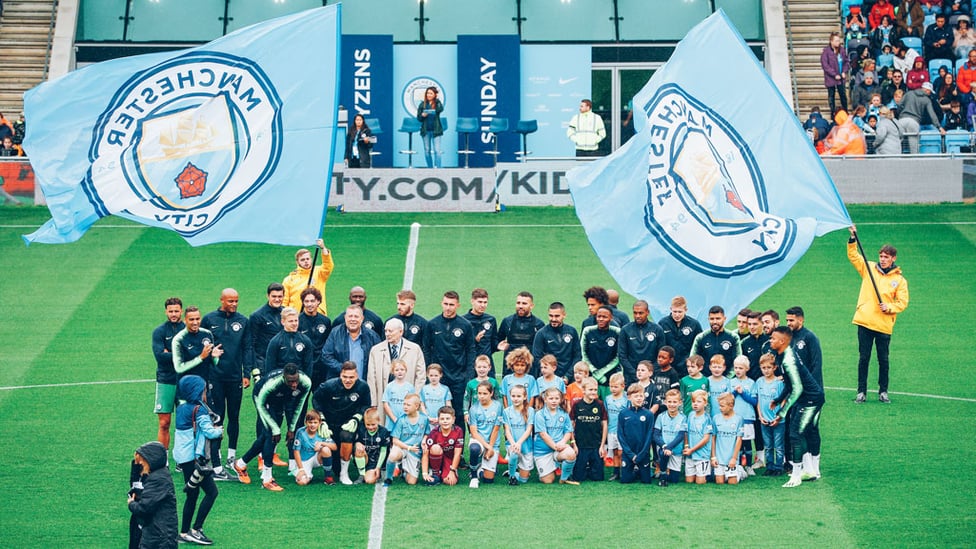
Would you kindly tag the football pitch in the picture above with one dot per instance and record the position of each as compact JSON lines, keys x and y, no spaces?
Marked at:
{"x":76,"y":389}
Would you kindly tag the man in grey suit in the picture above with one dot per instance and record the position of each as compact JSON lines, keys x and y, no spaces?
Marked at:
{"x":384,"y":353}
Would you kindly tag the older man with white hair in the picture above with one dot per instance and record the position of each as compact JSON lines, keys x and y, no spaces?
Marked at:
{"x":384,"y":353}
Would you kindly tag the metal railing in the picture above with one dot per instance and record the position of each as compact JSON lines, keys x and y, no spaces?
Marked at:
{"x":50,"y":39}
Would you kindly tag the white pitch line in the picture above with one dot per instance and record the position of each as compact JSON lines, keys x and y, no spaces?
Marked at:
{"x":78,"y":384}
{"x":378,"y":512}
{"x":919,"y":395}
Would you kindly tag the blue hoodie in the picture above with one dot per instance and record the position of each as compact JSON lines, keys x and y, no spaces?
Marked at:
{"x":189,"y":442}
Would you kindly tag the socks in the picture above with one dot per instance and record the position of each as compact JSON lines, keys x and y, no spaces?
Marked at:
{"x":327,"y":465}
{"x":567,"y":470}
{"x":436,"y":463}
{"x":344,"y":469}
{"x":360,"y":463}
{"x":513,"y":466}
{"x":266,"y":474}
{"x":231,"y":454}
{"x":390,"y":466}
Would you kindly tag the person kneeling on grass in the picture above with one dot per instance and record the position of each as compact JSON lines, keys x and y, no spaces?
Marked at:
{"x":191,"y":449}
{"x":313,"y":448}
{"x":408,"y":433}
{"x":442,"y":450}
{"x":553,"y":446}
{"x":372,"y":445}
{"x":152,"y":500}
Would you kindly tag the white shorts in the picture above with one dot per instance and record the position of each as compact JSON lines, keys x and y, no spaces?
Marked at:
{"x":698,"y":468}
{"x":674,"y":462}
{"x":749,"y":431}
{"x":612,"y":442}
{"x":486,"y":464}
{"x":311,"y":463}
{"x":726,"y":471}
{"x":545,"y":464}
{"x":525,"y":461}
{"x":410,"y":463}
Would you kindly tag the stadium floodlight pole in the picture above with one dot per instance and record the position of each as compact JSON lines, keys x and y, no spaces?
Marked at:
{"x":311,"y":271}
{"x":867,"y":265}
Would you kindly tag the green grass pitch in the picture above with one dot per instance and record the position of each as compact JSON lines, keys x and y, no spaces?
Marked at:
{"x":894,"y":475}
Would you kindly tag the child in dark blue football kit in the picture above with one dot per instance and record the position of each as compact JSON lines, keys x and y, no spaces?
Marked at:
{"x":635,"y":426}
{"x":194,"y":429}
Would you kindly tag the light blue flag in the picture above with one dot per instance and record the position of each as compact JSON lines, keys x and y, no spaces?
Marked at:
{"x":720,"y":192}
{"x":229,"y":141}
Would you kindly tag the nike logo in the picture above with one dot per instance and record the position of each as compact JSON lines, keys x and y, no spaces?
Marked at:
{"x":564,"y":81}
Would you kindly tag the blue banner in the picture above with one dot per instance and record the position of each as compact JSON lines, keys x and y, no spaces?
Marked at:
{"x":719,"y":194}
{"x":366,"y":86}
{"x":229,"y":141}
{"x":488,"y":87}
{"x":555,"y":78}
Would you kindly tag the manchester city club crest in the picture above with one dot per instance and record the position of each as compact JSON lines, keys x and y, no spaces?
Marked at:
{"x":236,"y":326}
{"x":706,"y":198}
{"x":193,"y":138}
{"x":414,"y":92}
{"x":567,"y":338}
{"x":299,"y":347}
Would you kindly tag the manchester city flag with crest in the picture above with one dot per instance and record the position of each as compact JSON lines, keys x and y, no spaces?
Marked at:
{"x":720,"y":192}
{"x":229,"y":141}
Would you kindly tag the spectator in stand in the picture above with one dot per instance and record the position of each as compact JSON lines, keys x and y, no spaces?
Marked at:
{"x":9,"y":149}
{"x":880,"y":10}
{"x":971,"y":109}
{"x":938,"y":40}
{"x":834,"y":62}
{"x":846,"y":138}
{"x":904,"y":57}
{"x":867,"y":65}
{"x":918,"y":75}
{"x":887,"y":136}
{"x":883,"y":34}
{"x":897,"y":83}
{"x":855,"y":25}
{"x":6,"y":128}
{"x":939,"y":79}
{"x":20,"y":129}
{"x":817,"y":127}
{"x":965,"y":38}
{"x":931,"y":7}
{"x":953,"y":119}
{"x":359,"y":141}
{"x":955,"y":8}
{"x":874,"y":106}
{"x":864,"y":90}
{"x":860,"y":119}
{"x":946,"y":94}
{"x":914,"y":110}
{"x":910,"y":19}
{"x":966,"y":75}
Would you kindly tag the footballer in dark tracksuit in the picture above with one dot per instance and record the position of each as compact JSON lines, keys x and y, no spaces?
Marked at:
{"x":316,"y":328}
{"x":563,"y":343}
{"x":162,"y":347}
{"x":639,"y":341}
{"x":519,"y":331}
{"x":413,"y":328}
{"x":680,"y":335}
{"x":290,"y":347}
{"x":752,"y":348}
{"x":450,"y":343}
{"x":725,"y":343}
{"x":802,"y":400}
{"x":264,"y":324}
{"x":230,"y":375}
{"x":599,"y":351}
{"x":488,"y":343}
{"x":807,"y":347}
{"x":277,"y":399}
{"x":187,"y":349}
{"x":339,"y":404}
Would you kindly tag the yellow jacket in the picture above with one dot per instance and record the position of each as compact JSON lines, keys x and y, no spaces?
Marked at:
{"x":297,"y":280}
{"x":893,"y":289}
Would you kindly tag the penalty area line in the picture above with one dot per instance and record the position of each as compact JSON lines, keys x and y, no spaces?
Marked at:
{"x":378,"y":512}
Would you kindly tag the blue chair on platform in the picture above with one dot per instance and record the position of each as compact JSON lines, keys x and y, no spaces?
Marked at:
{"x":497,"y":126}
{"x":956,"y":139}
{"x":376,"y":129}
{"x":929,"y":142}
{"x":466,"y":127}
{"x":524,"y":128}
{"x":410,"y":126}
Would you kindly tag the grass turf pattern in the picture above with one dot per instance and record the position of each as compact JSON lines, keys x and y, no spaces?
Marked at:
{"x":84,"y":312}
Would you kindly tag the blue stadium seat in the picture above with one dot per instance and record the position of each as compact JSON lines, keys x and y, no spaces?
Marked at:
{"x":374,"y":126}
{"x":466,"y":127}
{"x":913,"y":42}
{"x":934,"y":65}
{"x":524,"y":128}
{"x":410,"y":126}
{"x":955,"y":139}
{"x":929,"y":142}
{"x":497,"y":126}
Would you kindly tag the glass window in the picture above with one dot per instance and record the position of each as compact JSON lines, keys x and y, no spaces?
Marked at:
{"x":660,"y":19}
{"x":631,"y":82}
{"x":168,"y":22}
{"x":394,"y":17}
{"x":568,"y":20}
{"x":249,"y":12}
{"x":602,"y":87}
{"x":746,"y":15}
{"x":449,"y":18}
{"x":100,"y":19}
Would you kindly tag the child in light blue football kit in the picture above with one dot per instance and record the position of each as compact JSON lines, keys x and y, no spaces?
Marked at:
{"x":698,"y":447}
{"x":547,"y":375}
{"x":670,"y":431}
{"x":313,"y":448}
{"x":518,"y":419}
{"x":553,"y":446}
{"x":764,"y":393}
{"x":741,"y":388}
{"x":718,"y":384}
{"x":519,"y":360}
{"x":395,"y":393}
{"x":433,"y":395}
{"x":484,"y":426}
{"x":615,"y":402}
{"x":728,"y":441}
{"x":407,"y":435}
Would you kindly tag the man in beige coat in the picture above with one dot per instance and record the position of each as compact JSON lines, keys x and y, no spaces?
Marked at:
{"x":383,"y":353}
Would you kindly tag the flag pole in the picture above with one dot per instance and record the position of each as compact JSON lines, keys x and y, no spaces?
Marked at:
{"x":315,"y":260}
{"x":867,"y":267}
